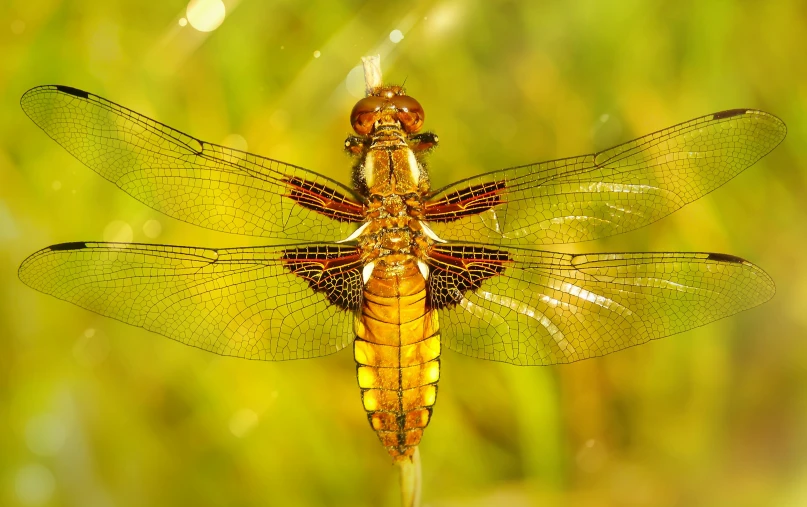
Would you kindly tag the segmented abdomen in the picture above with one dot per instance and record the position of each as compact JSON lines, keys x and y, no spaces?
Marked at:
{"x":397,"y":350}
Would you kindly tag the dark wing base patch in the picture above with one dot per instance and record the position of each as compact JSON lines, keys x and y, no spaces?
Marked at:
{"x":324,"y":200}
{"x":465,"y":202}
{"x":332,"y":270}
{"x":456,"y":269}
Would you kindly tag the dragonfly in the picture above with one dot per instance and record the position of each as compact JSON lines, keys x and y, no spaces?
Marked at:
{"x":391,"y":267}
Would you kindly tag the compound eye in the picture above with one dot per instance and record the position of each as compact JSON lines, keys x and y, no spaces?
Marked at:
{"x":365,"y":113}
{"x":409,"y":113}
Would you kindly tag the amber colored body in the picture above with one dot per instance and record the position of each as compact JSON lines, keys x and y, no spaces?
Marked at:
{"x":397,"y":349}
{"x":398,"y":341}
{"x":393,"y":275}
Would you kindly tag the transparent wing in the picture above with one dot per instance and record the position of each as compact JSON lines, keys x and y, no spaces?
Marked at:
{"x":537,"y":308}
{"x":267,"y":303}
{"x":191,"y":180}
{"x":606,"y":193}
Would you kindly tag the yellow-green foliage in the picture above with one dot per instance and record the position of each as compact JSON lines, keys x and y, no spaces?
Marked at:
{"x":94,"y":412}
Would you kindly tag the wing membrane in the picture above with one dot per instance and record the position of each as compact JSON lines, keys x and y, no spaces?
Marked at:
{"x":267,"y":303}
{"x":547,"y":308}
{"x":606,"y":193}
{"x":191,"y":180}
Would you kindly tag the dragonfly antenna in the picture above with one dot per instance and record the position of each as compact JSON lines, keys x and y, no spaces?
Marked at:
{"x":372,"y":73}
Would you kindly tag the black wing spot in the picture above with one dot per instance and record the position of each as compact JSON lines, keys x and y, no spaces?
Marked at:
{"x":729,"y":113}
{"x":73,"y":91}
{"x":725,"y":258}
{"x":74,"y":245}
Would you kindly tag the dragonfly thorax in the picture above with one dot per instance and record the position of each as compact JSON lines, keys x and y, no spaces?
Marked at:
{"x":390,"y":167}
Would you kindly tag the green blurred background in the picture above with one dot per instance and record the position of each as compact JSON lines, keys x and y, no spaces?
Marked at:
{"x":96,"y":413}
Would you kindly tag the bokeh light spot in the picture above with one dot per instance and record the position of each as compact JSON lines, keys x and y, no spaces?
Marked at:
{"x":205,"y":15}
{"x":183,"y":22}
{"x":236,"y":142}
{"x":56,"y":185}
{"x":152,"y":228}
{"x":396,"y":36}
{"x":45,"y":435}
{"x":317,"y":54}
{"x":443,"y":18}
{"x":118,"y":231}
{"x":606,"y":132}
{"x":34,"y":484}
{"x":91,"y":348}
{"x":354,"y":82}
{"x":8,"y":229}
{"x":591,"y":456}
{"x":242,"y":422}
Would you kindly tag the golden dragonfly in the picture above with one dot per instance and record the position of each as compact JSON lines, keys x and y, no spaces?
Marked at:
{"x":396,"y":269}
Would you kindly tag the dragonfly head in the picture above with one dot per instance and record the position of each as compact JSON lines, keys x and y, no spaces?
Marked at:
{"x":388,"y":105}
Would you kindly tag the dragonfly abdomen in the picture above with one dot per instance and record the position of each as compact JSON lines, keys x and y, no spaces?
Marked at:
{"x":397,"y":349}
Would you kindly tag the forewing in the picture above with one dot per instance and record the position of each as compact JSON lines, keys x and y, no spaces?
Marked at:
{"x":607,"y":193}
{"x":191,"y":180}
{"x":530,"y":307}
{"x":267,"y":303}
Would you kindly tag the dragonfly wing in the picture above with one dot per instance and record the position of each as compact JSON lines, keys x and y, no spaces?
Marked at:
{"x":611,"y":192}
{"x":530,"y":307}
{"x":267,"y":303}
{"x":191,"y":180}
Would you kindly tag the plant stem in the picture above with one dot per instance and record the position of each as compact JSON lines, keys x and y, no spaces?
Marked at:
{"x":372,"y":73}
{"x":411,"y":479}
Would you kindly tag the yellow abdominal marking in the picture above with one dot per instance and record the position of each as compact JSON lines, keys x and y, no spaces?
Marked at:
{"x":397,"y":351}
